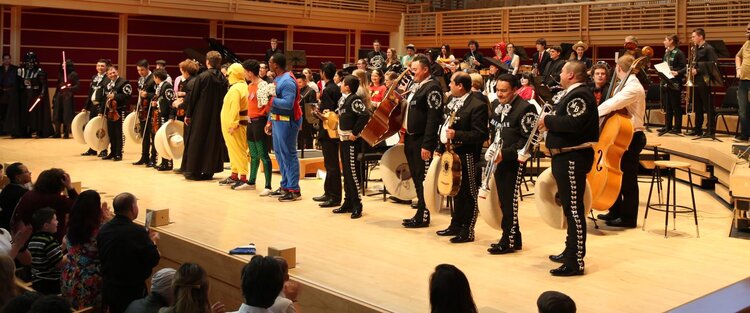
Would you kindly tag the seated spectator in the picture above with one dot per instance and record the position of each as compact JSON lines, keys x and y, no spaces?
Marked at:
{"x":450,"y":291}
{"x":81,"y":276}
{"x":161,"y":294}
{"x":286,"y":302}
{"x":190,"y":290}
{"x":262,"y":281}
{"x":22,"y":303}
{"x":555,"y":302}
{"x":47,"y":257}
{"x":51,"y":304}
{"x":8,"y":288}
{"x":526,"y":91}
{"x":20,"y":177}
{"x":127,"y":253}
{"x":12,"y":245}
{"x":47,"y":193}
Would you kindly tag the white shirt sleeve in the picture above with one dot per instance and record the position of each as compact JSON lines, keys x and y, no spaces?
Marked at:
{"x":627,"y":96}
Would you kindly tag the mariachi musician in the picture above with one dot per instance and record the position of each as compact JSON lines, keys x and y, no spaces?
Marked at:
{"x":163,"y":97}
{"x":118,"y":91}
{"x":670,"y":90}
{"x":467,"y":133}
{"x":146,"y":90}
{"x":329,"y":100}
{"x":96,"y":96}
{"x":515,"y":118}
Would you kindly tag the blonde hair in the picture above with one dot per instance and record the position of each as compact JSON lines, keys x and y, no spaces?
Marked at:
{"x":477,"y":82}
{"x":364,"y":84}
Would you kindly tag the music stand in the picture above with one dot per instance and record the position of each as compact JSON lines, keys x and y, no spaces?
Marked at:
{"x":720,"y":48}
{"x":714,"y":79}
{"x":296,"y":58}
{"x":542,"y":90}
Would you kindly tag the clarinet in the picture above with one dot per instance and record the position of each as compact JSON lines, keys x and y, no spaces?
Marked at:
{"x":489,"y":171}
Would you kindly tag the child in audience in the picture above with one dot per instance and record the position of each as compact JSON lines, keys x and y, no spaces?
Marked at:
{"x":47,"y":256}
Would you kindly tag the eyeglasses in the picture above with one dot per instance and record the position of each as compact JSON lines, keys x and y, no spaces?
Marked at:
{"x":603,"y":63}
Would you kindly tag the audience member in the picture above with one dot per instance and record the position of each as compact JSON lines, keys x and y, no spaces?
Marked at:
{"x":7,"y":279}
{"x":161,"y":293}
{"x":286,"y":301}
{"x":450,"y":291}
{"x":190,"y":291}
{"x":19,"y":177}
{"x":12,"y":245}
{"x":128,"y":253}
{"x":262,"y":281}
{"x":47,"y":192}
{"x":47,"y":257}
{"x":51,"y":304}
{"x":555,"y":302}
{"x":22,"y":303}
{"x":81,"y":276}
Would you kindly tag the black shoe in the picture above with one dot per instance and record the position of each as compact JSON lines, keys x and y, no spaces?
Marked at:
{"x":414,"y":223}
{"x":117,"y":158}
{"x":164,"y":167}
{"x":342,"y":209}
{"x":278,"y":193}
{"x":560,"y":258}
{"x":90,"y":152}
{"x":290,"y":196}
{"x":323,"y":198}
{"x":565,"y":270}
{"x":103,"y":153}
{"x":448,"y":232}
{"x":329,"y":203}
{"x":140,"y":162}
{"x":740,"y":138}
{"x":606,"y":217}
{"x":466,"y":235}
{"x":676,"y":131}
{"x":619,"y":222}
{"x":501,"y":249}
{"x":66,"y":136}
{"x":109,"y":157}
{"x":664,"y":131}
{"x":693,"y":132}
{"x":149,"y":164}
{"x":356,"y":213}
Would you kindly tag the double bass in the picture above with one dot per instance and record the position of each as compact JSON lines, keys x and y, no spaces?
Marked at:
{"x":387,"y":118}
{"x":605,"y":177}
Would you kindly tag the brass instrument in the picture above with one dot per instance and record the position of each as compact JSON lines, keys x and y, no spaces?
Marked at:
{"x":488,"y":174}
{"x":534,"y":137}
{"x":689,"y":90}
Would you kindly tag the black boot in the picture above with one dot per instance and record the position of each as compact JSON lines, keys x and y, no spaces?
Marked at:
{"x":166,"y":165}
{"x":465,"y":235}
{"x":103,"y":153}
{"x":421,"y":219}
{"x":89,"y":152}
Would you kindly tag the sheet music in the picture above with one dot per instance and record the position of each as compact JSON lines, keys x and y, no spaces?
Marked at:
{"x":663,"y":68}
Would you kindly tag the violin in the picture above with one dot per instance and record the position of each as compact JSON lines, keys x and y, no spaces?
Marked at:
{"x":111,"y":107}
{"x":155,"y":114}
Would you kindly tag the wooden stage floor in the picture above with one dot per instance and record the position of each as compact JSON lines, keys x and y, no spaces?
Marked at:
{"x":376,"y":261}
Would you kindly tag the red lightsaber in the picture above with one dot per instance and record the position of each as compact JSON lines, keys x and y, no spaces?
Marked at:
{"x":65,"y":71}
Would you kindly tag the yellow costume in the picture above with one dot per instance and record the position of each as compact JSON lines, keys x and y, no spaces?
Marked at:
{"x":234,"y":116}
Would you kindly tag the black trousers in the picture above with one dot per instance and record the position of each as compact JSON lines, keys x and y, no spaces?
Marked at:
{"x":507,"y":183}
{"x":116,"y":137}
{"x":626,"y":206}
{"x":117,"y":298}
{"x":701,"y":101}
{"x":569,"y":170}
{"x":332,"y":184}
{"x":352,"y":173}
{"x":465,"y":205}
{"x":148,"y":141}
{"x":418,"y":169}
{"x":671,"y":100}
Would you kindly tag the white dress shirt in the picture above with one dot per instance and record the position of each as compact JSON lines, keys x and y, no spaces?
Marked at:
{"x":632,"y":97}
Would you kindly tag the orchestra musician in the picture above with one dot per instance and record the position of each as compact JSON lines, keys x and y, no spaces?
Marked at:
{"x":329,"y":100}
{"x":541,"y":56}
{"x":376,"y":57}
{"x":474,"y":56}
{"x":551,"y":73}
{"x":146,"y":91}
{"x":705,"y":59}
{"x":164,"y":95}
{"x":96,"y":96}
{"x":670,"y":91}
{"x":579,"y":49}
{"x":600,"y":81}
{"x":118,"y":91}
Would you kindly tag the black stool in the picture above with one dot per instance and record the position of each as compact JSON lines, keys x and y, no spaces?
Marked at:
{"x":671,"y":167}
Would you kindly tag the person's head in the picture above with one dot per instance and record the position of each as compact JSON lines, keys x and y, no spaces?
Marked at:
{"x":450,"y":291}
{"x":101,"y":66}
{"x":477,"y":81}
{"x":671,"y":41}
{"x":376,"y":77}
{"x":350,"y":84}
{"x":112,"y":72}
{"x":274,"y":43}
{"x":410,"y":49}
{"x":308,"y":74}
{"x":18,"y":173}
{"x":361,"y":64}
{"x":500,"y":49}
{"x":494,"y":69}
{"x":7,"y":279}
{"x":525,"y":79}
{"x":573,"y":72}
{"x":161,"y":283}
{"x":284,"y":266}
{"x":376,"y":45}
{"x":22,"y":303}
{"x":160,"y":75}
{"x":213,"y":59}
{"x":555,"y":302}
{"x":554,"y":52}
{"x":189,"y":68}
{"x":277,"y":63}
{"x":44,"y":220}
{"x":460,"y":84}
{"x":252,"y":69}
{"x":579,"y":51}
{"x":262,"y":281}
{"x":161,"y":64}
{"x":301,"y":80}
{"x":600,"y":73}
{"x":51,"y":304}
{"x":420,"y":68}
{"x":362,"y":76}
{"x":126,"y":204}
{"x":541,"y":44}
{"x":390,"y":77}
{"x":190,"y":289}
{"x":50,"y":181}
{"x":6,"y":59}
{"x":698,"y":36}
{"x":445,"y":50}
{"x":623,"y":65}
{"x":747,"y":35}
{"x":225,"y":68}
{"x":473,"y":45}
{"x":511,"y":48}
{"x":85,"y":217}
{"x":142,"y":67}
{"x":506,"y":87}
{"x":263,"y":71}
{"x":339,"y":76}
{"x":327,"y":70}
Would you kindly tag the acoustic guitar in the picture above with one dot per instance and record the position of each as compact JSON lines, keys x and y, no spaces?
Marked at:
{"x":329,"y":119}
{"x":449,"y":178}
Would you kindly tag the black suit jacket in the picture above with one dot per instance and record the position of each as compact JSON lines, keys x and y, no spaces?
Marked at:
{"x":540,"y":65}
{"x":516,"y":126}
{"x":705,"y":61}
{"x":425,"y":113}
{"x":470,"y":124}
{"x":122,"y":90}
{"x":126,"y":253}
{"x":329,"y":100}
{"x":575,"y":120}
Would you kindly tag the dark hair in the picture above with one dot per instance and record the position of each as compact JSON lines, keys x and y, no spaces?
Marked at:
{"x":106,"y":62}
{"x":541,"y":41}
{"x":351,"y":81}
{"x":42,"y":216}
{"x":161,"y":74}
{"x":700,"y":32}
{"x":161,"y":62}
{"x":510,"y":79}
{"x":142,"y":63}
{"x":450,"y":291}
{"x":50,"y":181}
{"x":22,"y":303}
{"x":251,"y":65}
{"x":463,"y":79}
{"x":328,"y":69}
{"x":51,"y":304}
{"x":599,"y":65}
{"x":447,"y":50}
{"x":557,"y":48}
{"x":123,"y":202}
{"x":555,"y":302}
{"x":341,"y":74}
{"x":375,"y":41}
{"x":380,"y":74}
{"x":262,"y":281}
{"x":421,"y":59}
{"x":13,"y":171}
{"x":85,"y":217}
{"x":213,"y":58}
{"x":190,"y":289}
{"x":528,"y":77}
{"x":472,"y":41}
{"x":675,"y":39}
{"x":280,"y":60}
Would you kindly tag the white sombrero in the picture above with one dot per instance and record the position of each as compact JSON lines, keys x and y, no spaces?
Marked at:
{"x":394,"y":169}
{"x":169,"y":140}
{"x":78,"y":125}
{"x":96,"y":134}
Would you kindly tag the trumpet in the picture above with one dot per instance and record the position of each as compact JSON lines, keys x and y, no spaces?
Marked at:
{"x":534,"y":137}
{"x":689,"y":73}
{"x":492,"y":152}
